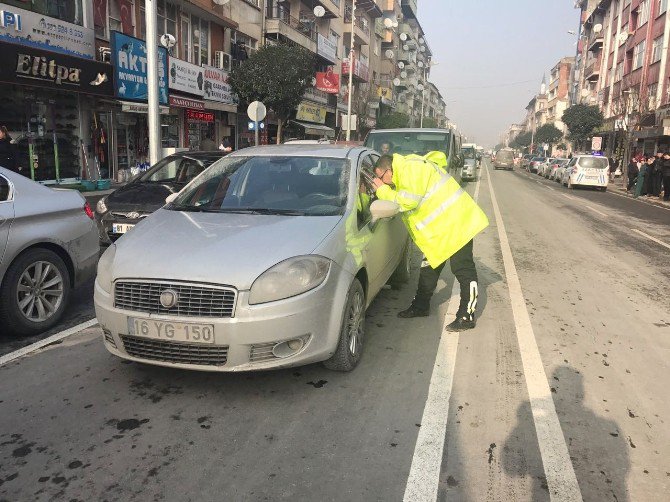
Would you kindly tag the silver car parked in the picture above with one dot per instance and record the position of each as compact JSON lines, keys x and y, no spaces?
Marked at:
{"x":267,"y":259}
{"x":48,"y":245}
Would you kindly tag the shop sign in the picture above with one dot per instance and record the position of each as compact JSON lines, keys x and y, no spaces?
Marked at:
{"x":28,"y":66}
{"x":328,"y":82}
{"x":217,"y":87}
{"x":129,"y":58}
{"x":186,"y":77}
{"x":141,"y":108}
{"x":596,"y":143}
{"x":181,"y":102}
{"x":385,"y":92}
{"x":199,"y":116}
{"x":326,"y":48}
{"x":311,"y":113}
{"x":31,"y":29}
{"x":361,"y":70}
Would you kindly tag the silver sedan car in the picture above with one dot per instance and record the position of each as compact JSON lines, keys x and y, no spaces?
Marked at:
{"x":267,"y":259}
{"x":48,"y":245}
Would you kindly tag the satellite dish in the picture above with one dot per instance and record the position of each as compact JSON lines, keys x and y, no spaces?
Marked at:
{"x":396,"y":82}
{"x":395,"y":23}
{"x":319,"y":11}
{"x":422,"y":48}
{"x":389,"y":54}
{"x":401,"y":65}
{"x":420,"y":64}
{"x":403,"y":74}
{"x":403,"y":37}
{"x":422,"y":40}
{"x":597,"y":28}
{"x":405,"y":47}
{"x":388,"y":23}
{"x":168,"y":41}
{"x":623,"y":36}
{"x":420,"y":87}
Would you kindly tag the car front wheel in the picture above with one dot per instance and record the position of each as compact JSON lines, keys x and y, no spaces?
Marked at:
{"x":352,"y":331}
{"x":34,"y":292}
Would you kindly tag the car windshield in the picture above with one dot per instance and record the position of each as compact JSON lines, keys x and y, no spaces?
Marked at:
{"x":310,"y":186}
{"x":505,"y":154}
{"x":406,"y":143}
{"x":469,"y":153}
{"x":594,"y":162}
{"x":178,"y":169}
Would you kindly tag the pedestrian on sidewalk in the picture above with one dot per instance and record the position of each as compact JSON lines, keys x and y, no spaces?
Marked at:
{"x":207,"y":144}
{"x":633,"y":171}
{"x":666,"y":176}
{"x":639,"y":184}
{"x":656,"y":177}
{"x":442,"y":220}
{"x":613,"y":168}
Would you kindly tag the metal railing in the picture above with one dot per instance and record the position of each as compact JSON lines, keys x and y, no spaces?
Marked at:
{"x":365,"y":27}
{"x":303,"y":26}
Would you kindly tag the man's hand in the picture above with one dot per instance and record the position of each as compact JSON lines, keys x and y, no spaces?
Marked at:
{"x":377,"y":183}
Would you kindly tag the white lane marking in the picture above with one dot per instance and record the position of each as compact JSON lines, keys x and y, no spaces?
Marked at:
{"x":51,"y":339}
{"x":594,"y":210}
{"x":652,"y":238}
{"x":568,"y":196}
{"x":558,"y":468}
{"x":424,"y":475}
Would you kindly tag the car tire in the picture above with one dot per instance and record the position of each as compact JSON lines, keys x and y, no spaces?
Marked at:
{"x":570,"y":185}
{"x":352,"y":331}
{"x":402,"y":272}
{"x":603,"y":189}
{"x":48,"y":307}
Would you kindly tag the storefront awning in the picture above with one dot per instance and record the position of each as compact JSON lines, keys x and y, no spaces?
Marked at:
{"x":222,"y":107}
{"x":316,"y":129}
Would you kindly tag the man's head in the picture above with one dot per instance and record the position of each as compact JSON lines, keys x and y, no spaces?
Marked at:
{"x":659,"y":154}
{"x":384,"y":169}
{"x":650,"y":160}
{"x":385,"y":148}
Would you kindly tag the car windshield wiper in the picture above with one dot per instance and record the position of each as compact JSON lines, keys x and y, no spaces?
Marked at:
{"x":261,"y":210}
{"x":187,"y":208}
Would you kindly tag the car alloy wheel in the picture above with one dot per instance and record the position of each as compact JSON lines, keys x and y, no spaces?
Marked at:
{"x":40,"y":292}
{"x":352,"y":331}
{"x":355,"y":323}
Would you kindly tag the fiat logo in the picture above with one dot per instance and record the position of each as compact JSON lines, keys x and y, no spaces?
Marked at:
{"x":169,"y":298}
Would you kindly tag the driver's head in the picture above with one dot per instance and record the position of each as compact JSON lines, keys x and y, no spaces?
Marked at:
{"x":385,"y":148}
{"x":384,"y":169}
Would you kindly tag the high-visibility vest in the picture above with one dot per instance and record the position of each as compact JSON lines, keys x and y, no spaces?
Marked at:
{"x":440,"y":216}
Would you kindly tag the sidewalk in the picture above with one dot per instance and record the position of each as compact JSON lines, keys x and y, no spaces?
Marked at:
{"x":94,"y":193}
{"x":618,"y":189}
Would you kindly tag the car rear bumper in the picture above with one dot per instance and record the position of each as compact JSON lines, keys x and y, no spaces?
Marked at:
{"x":247,"y":338}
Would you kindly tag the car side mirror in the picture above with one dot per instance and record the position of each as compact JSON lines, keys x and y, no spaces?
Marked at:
{"x":381,"y":209}
{"x":170,"y":198}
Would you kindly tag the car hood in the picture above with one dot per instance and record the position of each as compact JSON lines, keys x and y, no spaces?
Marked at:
{"x":141,"y":196}
{"x":226,"y":249}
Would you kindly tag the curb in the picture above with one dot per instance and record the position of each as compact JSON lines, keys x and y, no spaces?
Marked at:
{"x":649,"y":200}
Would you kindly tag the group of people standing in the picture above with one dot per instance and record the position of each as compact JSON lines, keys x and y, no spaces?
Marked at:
{"x":650,"y":176}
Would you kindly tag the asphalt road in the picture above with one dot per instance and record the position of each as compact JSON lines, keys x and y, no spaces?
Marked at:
{"x":561,"y":388}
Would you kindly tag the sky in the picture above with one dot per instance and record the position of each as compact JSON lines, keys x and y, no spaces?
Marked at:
{"x":492,"y":55}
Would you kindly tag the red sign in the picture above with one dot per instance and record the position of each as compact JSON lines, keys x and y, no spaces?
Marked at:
{"x":180,"y":102}
{"x":126,"y":8}
{"x":360,"y":69}
{"x":328,"y":82}
{"x":99,"y":12}
{"x":199,"y":116}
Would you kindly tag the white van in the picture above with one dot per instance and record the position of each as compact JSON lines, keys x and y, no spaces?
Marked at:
{"x":587,"y":170}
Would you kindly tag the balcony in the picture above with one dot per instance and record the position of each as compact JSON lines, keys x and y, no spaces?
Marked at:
{"x":332,"y":7}
{"x":596,"y":42}
{"x":409,"y":8}
{"x":302,"y":31}
{"x":370,"y":7}
{"x":361,"y":70}
{"x":592,"y":71}
{"x":361,"y":28}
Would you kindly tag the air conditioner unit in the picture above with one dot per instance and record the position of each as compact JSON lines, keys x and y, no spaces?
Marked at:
{"x":222,"y":60}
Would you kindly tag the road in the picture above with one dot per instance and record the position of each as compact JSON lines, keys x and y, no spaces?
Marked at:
{"x":560,"y":392}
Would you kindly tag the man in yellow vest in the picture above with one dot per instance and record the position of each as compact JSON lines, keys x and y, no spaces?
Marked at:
{"x":442,"y":219}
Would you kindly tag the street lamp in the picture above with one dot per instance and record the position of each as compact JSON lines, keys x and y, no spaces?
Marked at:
{"x":351,"y":68}
{"x":422,"y":87}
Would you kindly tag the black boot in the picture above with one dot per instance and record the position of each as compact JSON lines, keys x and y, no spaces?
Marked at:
{"x":462,"y":323}
{"x":413,"y":311}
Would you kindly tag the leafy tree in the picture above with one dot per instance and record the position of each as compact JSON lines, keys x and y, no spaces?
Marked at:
{"x":277,"y":75}
{"x":430,"y":123}
{"x":548,"y":133}
{"x":395,"y":120}
{"x":581,"y":121}
{"x":522,"y":140}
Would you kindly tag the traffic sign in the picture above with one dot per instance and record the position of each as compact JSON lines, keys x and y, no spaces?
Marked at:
{"x":256,"y":111}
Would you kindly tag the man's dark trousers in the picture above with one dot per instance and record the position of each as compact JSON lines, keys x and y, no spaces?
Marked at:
{"x":463,"y":267}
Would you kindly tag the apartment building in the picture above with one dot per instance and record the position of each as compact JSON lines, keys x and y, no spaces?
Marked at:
{"x":557,"y":92}
{"x":624,"y":49}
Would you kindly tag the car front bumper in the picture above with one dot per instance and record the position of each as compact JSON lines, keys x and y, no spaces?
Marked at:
{"x":249,"y":336}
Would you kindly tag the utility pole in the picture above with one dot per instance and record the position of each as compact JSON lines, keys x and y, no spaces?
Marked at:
{"x":152,"y":83}
{"x":351,"y":68}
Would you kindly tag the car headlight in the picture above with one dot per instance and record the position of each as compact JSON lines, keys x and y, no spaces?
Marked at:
{"x":104,"y":278}
{"x":101,"y":207}
{"x":289,"y":278}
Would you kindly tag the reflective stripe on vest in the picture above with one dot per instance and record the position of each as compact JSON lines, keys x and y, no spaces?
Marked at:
{"x":409,"y":195}
{"x":440,"y":209}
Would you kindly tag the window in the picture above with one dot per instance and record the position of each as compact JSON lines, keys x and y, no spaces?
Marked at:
{"x":651,"y":96}
{"x":642,"y":13}
{"x":657,"y":49}
{"x":662,"y":6}
{"x":166,"y":21}
{"x":335,"y":38}
{"x":69,"y":11}
{"x":4,"y":189}
{"x":114,"y":19}
{"x":638,"y":55}
{"x":366,"y":190}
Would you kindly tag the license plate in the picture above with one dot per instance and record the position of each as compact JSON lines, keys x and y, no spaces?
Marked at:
{"x":121,"y":228}
{"x":171,"y":331}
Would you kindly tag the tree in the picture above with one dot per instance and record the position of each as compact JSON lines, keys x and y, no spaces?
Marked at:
{"x":522,"y":140}
{"x":430,"y":123}
{"x":277,"y":75}
{"x":395,"y":120}
{"x":548,"y":133}
{"x":581,"y":121}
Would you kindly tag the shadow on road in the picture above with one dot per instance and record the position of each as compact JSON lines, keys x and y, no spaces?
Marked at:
{"x":598,"y":452}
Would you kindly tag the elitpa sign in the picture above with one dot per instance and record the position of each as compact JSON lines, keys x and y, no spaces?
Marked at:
{"x":42,"y":68}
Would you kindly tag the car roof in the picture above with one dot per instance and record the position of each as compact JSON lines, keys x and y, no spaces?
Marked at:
{"x":324,"y":150}
{"x":410,"y":129}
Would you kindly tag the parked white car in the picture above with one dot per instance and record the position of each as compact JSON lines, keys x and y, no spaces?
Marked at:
{"x":587,"y":171}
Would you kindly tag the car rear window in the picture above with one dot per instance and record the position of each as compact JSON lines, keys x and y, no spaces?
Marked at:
{"x":408,"y":142}
{"x":505,"y":155}
{"x":593,"y":162}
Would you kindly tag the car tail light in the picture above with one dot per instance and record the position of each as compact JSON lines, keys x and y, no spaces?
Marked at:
{"x":89,"y":211}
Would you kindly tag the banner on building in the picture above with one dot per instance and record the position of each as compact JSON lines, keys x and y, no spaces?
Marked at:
{"x":31,"y":66}
{"x":129,"y":58}
{"x":328,"y":82}
{"x":31,"y":29}
{"x":326,"y":48}
{"x":311,"y":113}
{"x":186,"y":77}
{"x":216,"y":86}
{"x":184,"y":102}
{"x":126,"y":9}
{"x":99,"y":13}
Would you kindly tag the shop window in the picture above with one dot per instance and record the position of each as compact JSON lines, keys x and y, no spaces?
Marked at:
{"x":66,"y":10}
